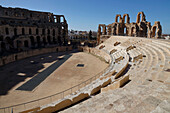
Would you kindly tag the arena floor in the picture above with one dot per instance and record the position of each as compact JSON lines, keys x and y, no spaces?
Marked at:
{"x":16,"y":78}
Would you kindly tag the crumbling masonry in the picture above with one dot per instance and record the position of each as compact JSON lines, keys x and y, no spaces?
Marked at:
{"x":141,"y":28}
{"x":22,"y":29}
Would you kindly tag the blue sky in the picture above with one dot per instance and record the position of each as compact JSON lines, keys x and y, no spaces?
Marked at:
{"x":87,"y":14}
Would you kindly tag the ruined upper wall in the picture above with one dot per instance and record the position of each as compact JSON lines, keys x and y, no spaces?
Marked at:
{"x":25,"y":14}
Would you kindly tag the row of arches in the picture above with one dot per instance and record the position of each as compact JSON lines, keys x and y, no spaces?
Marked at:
{"x":140,"y":18}
{"x":29,"y":42}
{"x":122,"y":20}
{"x":30,"y":31}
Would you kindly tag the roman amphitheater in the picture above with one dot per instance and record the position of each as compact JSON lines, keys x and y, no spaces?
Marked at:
{"x":125,"y":72}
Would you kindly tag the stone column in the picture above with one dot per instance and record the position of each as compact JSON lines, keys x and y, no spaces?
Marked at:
{"x":104,"y":30}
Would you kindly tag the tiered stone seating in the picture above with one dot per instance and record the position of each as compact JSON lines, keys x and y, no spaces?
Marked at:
{"x":148,"y":72}
{"x":149,"y":77}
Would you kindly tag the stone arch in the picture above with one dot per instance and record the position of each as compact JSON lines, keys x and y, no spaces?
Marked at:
{"x":15,"y":31}
{"x":26,"y":43}
{"x":120,"y":18}
{"x":18,"y":43}
{"x":30,"y":31}
{"x":140,"y":18}
{"x":156,"y":30}
{"x":32,"y":41}
{"x":53,"y":32}
{"x":125,"y":30}
{"x":54,"y":40}
{"x":61,"y":19}
{"x":1,"y":38}
{"x":127,"y":18}
{"x":9,"y":42}
{"x":43,"y":31}
{"x":37,"y":31}
{"x":3,"y":46}
{"x":49,"y":39}
{"x":7,"y":31}
{"x":44,"y":41}
{"x":48,"y":32}
{"x":16,"y":57}
{"x":38,"y":41}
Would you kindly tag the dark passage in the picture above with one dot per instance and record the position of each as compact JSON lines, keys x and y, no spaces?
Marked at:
{"x":80,"y":65}
{"x":35,"y":81}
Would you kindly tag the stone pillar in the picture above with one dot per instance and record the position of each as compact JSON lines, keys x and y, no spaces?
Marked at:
{"x":98,"y":35}
{"x":104,"y":30}
{"x":29,"y":43}
{"x":109,"y":30}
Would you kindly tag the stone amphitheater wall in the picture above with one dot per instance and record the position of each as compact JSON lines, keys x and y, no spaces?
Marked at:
{"x":25,"y":54}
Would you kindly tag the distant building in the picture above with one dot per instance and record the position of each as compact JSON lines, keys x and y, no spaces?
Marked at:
{"x":22,"y":29}
{"x":77,"y":35}
{"x":80,"y":35}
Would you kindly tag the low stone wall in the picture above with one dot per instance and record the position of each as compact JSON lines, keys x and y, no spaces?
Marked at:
{"x":117,"y":84}
{"x":18,"y":56}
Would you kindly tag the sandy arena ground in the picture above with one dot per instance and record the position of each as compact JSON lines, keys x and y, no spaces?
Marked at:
{"x":15,"y":74}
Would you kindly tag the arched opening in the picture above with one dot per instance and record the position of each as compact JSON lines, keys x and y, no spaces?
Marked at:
{"x":56,"y":49}
{"x":32,"y":41}
{"x":48,"y":31}
{"x":26,"y":43}
{"x":38,"y":41}
{"x":59,"y":40}
{"x":19,"y":43}
{"x":126,"y":18}
{"x":37,"y":31}
{"x":30,"y":31}
{"x":1,"y":38}
{"x":140,"y":17}
{"x":7,"y":31}
{"x":53,"y":32}
{"x":23,"y":31}
{"x":61,"y":19}
{"x":125,"y":31}
{"x":49,"y":39}
{"x":118,"y":18}
{"x":15,"y":31}
{"x":154,"y":31}
{"x":43,"y":31}
{"x":3,"y":46}
{"x":9,"y":41}
{"x":54,"y":40}
{"x":44,"y":41}
{"x":16,"y":57}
